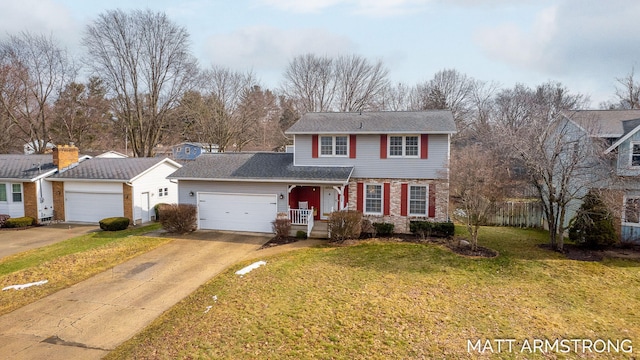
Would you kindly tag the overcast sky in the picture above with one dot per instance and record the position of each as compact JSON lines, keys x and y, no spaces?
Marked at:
{"x":585,"y":44}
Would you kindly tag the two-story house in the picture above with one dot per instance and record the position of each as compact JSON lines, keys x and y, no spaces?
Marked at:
{"x":391,"y":166}
{"x":620,"y":132}
{"x":191,"y":150}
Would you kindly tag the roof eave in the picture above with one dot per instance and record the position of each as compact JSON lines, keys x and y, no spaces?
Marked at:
{"x":369,"y":132}
{"x":288,"y":180}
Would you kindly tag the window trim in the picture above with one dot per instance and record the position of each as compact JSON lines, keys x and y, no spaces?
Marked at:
{"x":404,"y":146}
{"x":624,"y":211}
{"x":13,"y":193}
{"x":365,"y":198}
{"x":334,"y":146}
{"x":6,"y":194}
{"x":426,"y":200}
{"x":633,"y":143}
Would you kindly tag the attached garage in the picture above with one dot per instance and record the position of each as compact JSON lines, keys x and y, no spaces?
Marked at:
{"x":92,"y":207}
{"x":237,"y":212}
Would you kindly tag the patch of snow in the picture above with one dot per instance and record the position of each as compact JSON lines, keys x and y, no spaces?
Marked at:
{"x":215,"y":297}
{"x":24,"y":286}
{"x":253,"y":266}
{"x":208,"y":308}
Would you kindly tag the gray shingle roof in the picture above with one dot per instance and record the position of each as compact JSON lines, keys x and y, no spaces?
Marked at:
{"x":115,"y":169}
{"x":25,"y":167}
{"x":257,"y":166}
{"x":382,"y":122}
{"x":606,"y":123}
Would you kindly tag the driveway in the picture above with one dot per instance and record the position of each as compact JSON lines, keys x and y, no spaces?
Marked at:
{"x":91,"y":318}
{"x":15,"y":241}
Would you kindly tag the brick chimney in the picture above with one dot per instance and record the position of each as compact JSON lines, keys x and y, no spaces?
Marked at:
{"x":65,"y":156}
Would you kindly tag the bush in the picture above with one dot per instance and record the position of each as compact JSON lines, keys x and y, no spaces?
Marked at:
{"x":158,"y":209}
{"x":114,"y":223}
{"x":367,"y":228}
{"x":3,"y":219}
{"x":301,"y":234}
{"x":19,"y":222}
{"x":345,"y":225}
{"x":178,"y":218}
{"x":593,"y":224}
{"x":428,"y":228}
{"x":281,"y":227}
{"x":384,"y":229}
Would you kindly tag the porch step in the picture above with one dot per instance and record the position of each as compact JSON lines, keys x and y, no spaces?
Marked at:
{"x":319,"y":231}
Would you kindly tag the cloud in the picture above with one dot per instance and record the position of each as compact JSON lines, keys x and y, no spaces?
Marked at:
{"x":573,"y":37}
{"x":269,"y":48}
{"x":365,"y":7}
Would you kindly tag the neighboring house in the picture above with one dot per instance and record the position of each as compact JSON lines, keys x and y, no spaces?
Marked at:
{"x":23,"y":189}
{"x":392,"y":166}
{"x":109,"y":187}
{"x":620,"y":130}
{"x":112,"y":154}
{"x":191,"y":150}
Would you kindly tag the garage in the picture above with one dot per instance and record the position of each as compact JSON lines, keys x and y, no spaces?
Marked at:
{"x":237,"y":212}
{"x":92,"y":207}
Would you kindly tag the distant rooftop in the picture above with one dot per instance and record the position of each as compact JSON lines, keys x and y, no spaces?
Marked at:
{"x":606,"y":123}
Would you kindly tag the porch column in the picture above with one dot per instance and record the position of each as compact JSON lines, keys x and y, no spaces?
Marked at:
{"x":340,"y":190}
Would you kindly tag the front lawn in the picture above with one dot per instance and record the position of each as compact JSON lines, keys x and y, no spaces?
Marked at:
{"x":68,"y":262}
{"x":382,"y":300}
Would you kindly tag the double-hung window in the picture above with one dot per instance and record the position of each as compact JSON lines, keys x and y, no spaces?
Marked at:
{"x":417,"y":200}
{"x":16,"y":192}
{"x":635,"y":154}
{"x":334,"y":146}
{"x":373,"y":199}
{"x":404,"y":146}
{"x":3,"y":192}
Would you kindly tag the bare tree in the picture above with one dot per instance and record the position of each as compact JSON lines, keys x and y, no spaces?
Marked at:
{"x":359,"y":83}
{"x":476,"y":183}
{"x":628,"y":92}
{"x":396,"y":98}
{"x":310,"y":80}
{"x":448,"y":89}
{"x":562,"y":161}
{"x":34,"y":69}
{"x":514,"y":106}
{"x":146,"y":64}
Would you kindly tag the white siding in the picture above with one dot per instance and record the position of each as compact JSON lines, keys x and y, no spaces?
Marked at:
{"x":369,"y":165}
{"x":9,"y":207}
{"x":186,"y":186}
{"x":151,"y":182}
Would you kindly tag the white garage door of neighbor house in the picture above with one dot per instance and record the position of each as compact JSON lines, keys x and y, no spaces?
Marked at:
{"x":237,"y":212}
{"x":92,"y":207}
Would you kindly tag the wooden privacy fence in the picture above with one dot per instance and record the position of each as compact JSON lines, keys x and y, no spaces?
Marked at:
{"x":517,"y":214}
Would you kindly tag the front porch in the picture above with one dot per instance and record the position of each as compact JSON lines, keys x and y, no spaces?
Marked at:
{"x":310,"y":206}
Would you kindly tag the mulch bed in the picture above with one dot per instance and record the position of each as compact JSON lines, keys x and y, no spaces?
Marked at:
{"x":466,"y":250}
{"x":574,"y":252}
{"x":275,"y":241}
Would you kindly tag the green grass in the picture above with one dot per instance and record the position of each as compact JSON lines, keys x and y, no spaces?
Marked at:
{"x":68,"y":262}
{"x":380,"y":300}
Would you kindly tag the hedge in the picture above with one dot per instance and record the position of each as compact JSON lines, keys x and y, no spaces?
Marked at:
{"x":429,"y":228}
{"x":19,"y":222}
{"x":114,"y":223}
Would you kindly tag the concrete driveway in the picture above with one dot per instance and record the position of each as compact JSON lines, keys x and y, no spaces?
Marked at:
{"x":15,"y":241}
{"x":91,"y":318}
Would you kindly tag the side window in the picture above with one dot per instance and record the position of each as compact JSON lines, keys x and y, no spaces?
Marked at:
{"x":635,"y":155}
{"x":16,"y":190}
{"x":3,"y":192}
{"x":160,"y":192}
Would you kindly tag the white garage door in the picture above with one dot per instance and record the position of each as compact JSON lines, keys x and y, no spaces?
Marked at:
{"x":92,"y":207}
{"x":237,"y":212}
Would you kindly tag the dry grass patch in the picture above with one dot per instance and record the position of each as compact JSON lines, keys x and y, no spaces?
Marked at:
{"x":68,"y":262}
{"x":380,"y":300}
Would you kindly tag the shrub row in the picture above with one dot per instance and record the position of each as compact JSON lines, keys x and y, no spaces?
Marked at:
{"x":19,"y":222}
{"x":178,"y":218}
{"x":429,"y":228}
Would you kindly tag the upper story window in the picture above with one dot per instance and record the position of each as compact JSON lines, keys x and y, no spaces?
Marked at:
{"x":635,"y":154}
{"x":16,"y":192}
{"x":373,"y":199}
{"x":187,"y":150}
{"x":334,"y":145}
{"x":403,"y":146}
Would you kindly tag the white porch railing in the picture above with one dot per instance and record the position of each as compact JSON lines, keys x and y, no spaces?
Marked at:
{"x":302,"y":217}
